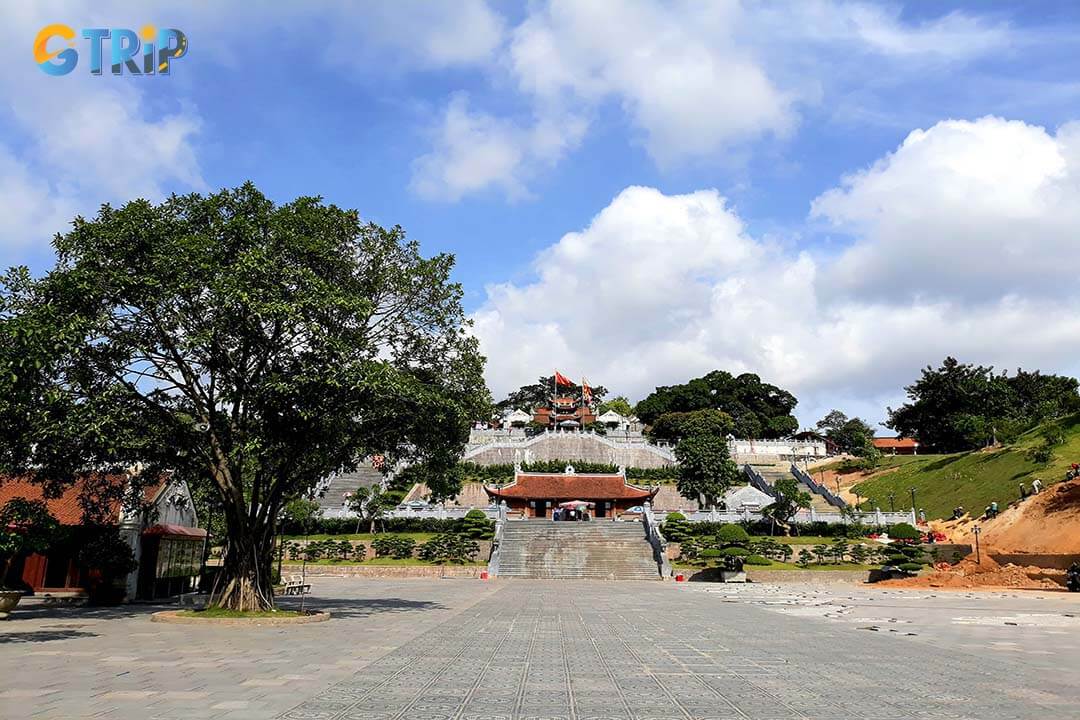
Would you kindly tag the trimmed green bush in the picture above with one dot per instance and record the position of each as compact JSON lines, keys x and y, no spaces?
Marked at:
{"x":735,"y":552}
{"x":757,"y":560}
{"x":910,"y":567}
{"x":476,"y":525}
{"x":449,"y":548}
{"x":730,"y":534}
{"x":904,"y":531}
{"x":711,"y":553}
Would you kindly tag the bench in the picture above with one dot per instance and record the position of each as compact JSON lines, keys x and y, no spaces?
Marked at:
{"x":295,"y":585}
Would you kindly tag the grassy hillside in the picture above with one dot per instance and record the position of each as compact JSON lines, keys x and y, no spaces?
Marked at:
{"x":971,"y":479}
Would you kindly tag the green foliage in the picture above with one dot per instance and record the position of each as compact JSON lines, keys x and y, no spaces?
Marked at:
{"x":734,"y":551}
{"x":910,"y":567}
{"x":301,"y":512}
{"x":757,"y":409}
{"x":788,"y":500}
{"x":705,"y":468}
{"x":689,"y":550}
{"x":960,"y":407}
{"x":757,"y":560}
{"x":673,"y":426}
{"x":476,"y":525}
{"x":850,"y":435}
{"x":449,"y":548}
{"x":223,"y":336}
{"x":26,"y":526}
{"x":619,"y":404}
{"x":904,"y":531}
{"x":676,"y":527}
{"x":731,"y":534}
{"x":805,"y":557}
{"x":395,"y":546}
{"x":558,"y":466}
{"x":102,"y":549}
{"x":710,"y":553}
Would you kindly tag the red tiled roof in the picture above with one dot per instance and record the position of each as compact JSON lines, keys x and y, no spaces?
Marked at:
{"x":571,"y":487}
{"x":66,"y":508}
{"x":895,"y":443}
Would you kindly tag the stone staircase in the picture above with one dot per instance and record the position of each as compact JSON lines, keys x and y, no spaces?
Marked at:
{"x":772,"y":473}
{"x":598,"y":549}
{"x":363,"y":476}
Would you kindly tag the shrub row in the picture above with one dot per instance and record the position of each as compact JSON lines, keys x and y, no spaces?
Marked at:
{"x":443,"y":548}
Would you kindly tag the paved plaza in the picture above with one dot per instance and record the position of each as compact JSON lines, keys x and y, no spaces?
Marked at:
{"x":467,"y":649}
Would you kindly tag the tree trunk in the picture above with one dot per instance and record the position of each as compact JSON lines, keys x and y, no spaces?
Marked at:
{"x":244,"y":583}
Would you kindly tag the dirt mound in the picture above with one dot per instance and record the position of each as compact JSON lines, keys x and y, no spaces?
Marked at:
{"x":1047,"y":523}
{"x":986,"y":574}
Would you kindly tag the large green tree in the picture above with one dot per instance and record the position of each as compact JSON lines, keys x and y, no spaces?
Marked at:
{"x":705,"y":469}
{"x":850,"y":435}
{"x":958,"y":406}
{"x":676,"y":425}
{"x":758,"y":409}
{"x":253,"y":346}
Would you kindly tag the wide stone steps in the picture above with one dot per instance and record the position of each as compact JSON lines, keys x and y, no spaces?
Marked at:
{"x":599,"y":549}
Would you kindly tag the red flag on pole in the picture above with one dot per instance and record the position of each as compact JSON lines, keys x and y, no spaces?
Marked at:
{"x":561,"y":379}
{"x":586,"y":391}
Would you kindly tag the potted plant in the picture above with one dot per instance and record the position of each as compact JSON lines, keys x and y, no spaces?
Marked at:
{"x":108,"y":560}
{"x":25,"y":526}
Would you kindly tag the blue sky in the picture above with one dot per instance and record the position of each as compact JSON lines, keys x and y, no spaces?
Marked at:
{"x":636,"y":192}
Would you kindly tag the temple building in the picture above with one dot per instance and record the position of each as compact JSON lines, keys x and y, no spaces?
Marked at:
{"x":565,"y":413}
{"x":535,"y":495}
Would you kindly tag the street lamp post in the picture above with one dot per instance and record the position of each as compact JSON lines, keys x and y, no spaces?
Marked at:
{"x":912,"y":499}
{"x":978,"y":554}
{"x":892,"y":502}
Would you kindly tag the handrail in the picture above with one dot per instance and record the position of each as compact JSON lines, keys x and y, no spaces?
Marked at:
{"x":659,"y":544}
{"x":496,"y":541}
{"x":817,"y":487}
{"x":757,"y":481}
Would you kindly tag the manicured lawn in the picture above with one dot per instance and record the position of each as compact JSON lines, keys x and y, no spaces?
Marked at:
{"x":215,"y":612}
{"x":365,"y":538}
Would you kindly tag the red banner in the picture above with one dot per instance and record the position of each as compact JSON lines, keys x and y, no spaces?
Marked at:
{"x":561,"y":379}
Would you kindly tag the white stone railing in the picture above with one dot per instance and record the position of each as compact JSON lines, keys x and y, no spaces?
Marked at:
{"x":659,"y":545}
{"x":520,"y":441}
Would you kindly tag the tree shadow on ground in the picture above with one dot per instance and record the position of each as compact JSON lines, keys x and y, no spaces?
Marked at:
{"x":942,"y":463}
{"x":359,"y":607}
{"x":33,"y":636}
{"x":41,"y":611}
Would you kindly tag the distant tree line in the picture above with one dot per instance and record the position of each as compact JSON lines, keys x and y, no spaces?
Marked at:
{"x":959,"y":407}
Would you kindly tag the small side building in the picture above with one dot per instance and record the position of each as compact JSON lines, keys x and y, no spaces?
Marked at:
{"x":536,"y":494}
{"x":897,"y":445}
{"x":163,"y":534}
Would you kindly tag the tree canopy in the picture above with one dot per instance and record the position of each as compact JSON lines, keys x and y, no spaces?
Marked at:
{"x":758,"y":409}
{"x":959,"y":407}
{"x":619,"y":404}
{"x":539,"y":393}
{"x":675,"y":425}
{"x":850,"y":435}
{"x":253,"y":346}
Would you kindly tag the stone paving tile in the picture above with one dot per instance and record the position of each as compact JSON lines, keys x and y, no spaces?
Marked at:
{"x":461,"y":650}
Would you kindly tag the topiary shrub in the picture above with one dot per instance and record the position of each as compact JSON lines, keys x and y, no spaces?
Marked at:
{"x":730,"y":534}
{"x":904,"y":531}
{"x":449,"y":548}
{"x":757,"y":560}
{"x":734,"y":551}
{"x":477,"y":526}
{"x":676,"y":527}
{"x":710,"y":554}
{"x":911,"y":567}
{"x":689,"y":550}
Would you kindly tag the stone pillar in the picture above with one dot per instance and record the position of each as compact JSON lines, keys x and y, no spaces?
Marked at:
{"x":130,"y":532}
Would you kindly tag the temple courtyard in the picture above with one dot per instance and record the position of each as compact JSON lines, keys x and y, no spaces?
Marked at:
{"x":458,"y":649}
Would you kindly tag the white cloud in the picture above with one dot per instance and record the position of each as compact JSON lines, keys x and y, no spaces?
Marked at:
{"x":700,"y":80}
{"x":963,"y":245}
{"x":474,"y":151}
{"x":965,"y":210}
{"x":74,"y":142}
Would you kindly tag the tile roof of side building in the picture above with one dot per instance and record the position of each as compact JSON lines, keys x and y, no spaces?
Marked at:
{"x":67,"y":508}
{"x":895,"y":442}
